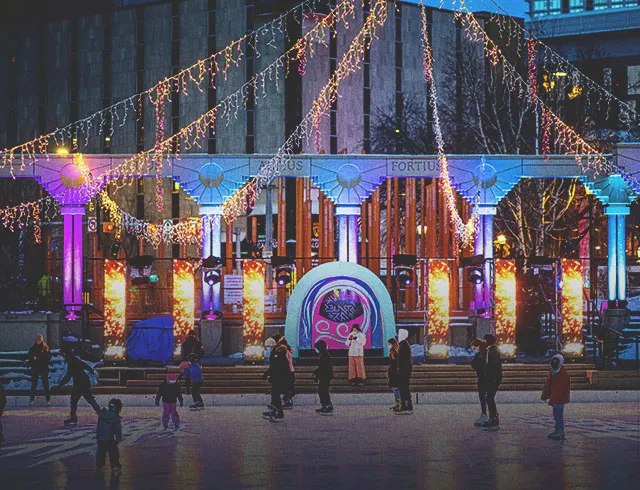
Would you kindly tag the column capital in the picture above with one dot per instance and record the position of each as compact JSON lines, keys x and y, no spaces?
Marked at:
{"x":73,"y":209}
{"x":617,"y":209}
{"x":487,"y":209}
{"x":348,"y":210}
{"x":210,"y":210}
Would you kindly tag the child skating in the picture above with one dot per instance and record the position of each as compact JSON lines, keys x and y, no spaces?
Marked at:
{"x":323,"y":375}
{"x":108,"y":435}
{"x":557,"y":390}
{"x":194,"y":373}
{"x":170,"y":393}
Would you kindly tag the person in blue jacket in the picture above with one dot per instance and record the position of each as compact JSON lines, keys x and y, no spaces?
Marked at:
{"x":194,"y":373}
{"x":108,"y":435}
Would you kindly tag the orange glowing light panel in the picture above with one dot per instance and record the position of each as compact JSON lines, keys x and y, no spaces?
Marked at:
{"x":183,"y":299}
{"x":505,"y":301}
{"x":438,"y":308}
{"x":572,"y":305}
{"x":253,"y":309}
{"x":115,"y":295}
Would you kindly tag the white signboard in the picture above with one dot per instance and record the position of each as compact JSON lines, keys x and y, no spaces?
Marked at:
{"x":233,"y":281}
{"x":233,"y":289}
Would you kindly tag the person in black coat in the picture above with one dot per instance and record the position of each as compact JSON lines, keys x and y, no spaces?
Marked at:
{"x":494,"y":379}
{"x":191,"y":345}
{"x":3,"y":404}
{"x":38,"y":358}
{"x":108,"y":435}
{"x":479,"y":365}
{"x":405,"y":368}
{"x":279,"y":376}
{"x":392,"y":370}
{"x":323,"y":375}
{"x":170,"y":392}
{"x":76,"y":369}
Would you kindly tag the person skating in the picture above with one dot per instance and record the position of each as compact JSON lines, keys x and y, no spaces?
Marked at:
{"x":171,"y":393}
{"x":278,"y":375}
{"x":323,"y":375}
{"x":494,"y":378}
{"x":405,"y":368}
{"x":77,"y":369}
{"x":191,"y":345}
{"x":194,"y":373}
{"x":287,"y":402}
{"x":3,"y":404}
{"x":108,"y":435}
{"x":392,"y":371}
{"x":557,"y":390}
{"x":479,"y":365}
{"x":356,"y":342}
{"x":38,"y":358}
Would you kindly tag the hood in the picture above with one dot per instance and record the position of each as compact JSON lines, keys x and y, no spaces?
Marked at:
{"x":402,"y":335}
{"x":321,"y":345}
{"x":108,"y":415}
{"x":560,"y":358}
{"x":270,"y":343}
{"x":172,"y":378}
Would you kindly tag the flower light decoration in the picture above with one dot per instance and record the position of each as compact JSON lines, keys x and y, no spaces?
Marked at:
{"x":438,"y":308}
{"x":115,"y":306}
{"x":505,"y":306}
{"x":253,"y":309}
{"x":572,"y":307}
{"x":183,"y":300}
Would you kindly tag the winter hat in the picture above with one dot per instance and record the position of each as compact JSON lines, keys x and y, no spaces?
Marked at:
{"x":172,"y":378}
{"x":115,"y":405}
{"x":402,"y":335}
{"x":560,"y":359}
{"x":270,"y":343}
{"x":490,"y":339}
{"x":184,"y":365}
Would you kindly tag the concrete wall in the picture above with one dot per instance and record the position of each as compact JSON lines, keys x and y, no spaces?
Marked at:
{"x":19,"y":332}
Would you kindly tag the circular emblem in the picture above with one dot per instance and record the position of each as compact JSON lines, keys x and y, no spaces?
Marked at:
{"x":71,"y":176}
{"x":349,"y":176}
{"x":485,"y":176}
{"x":211,"y":175}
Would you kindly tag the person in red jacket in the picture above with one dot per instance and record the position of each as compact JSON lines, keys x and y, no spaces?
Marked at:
{"x":556,"y":390}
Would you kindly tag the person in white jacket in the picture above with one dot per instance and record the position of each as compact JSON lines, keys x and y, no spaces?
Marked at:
{"x":356,"y":342}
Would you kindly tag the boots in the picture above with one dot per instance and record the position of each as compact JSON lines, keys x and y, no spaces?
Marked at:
{"x":557,"y":435}
{"x":397,"y":405}
{"x":492,"y":424}
{"x":73,"y":420}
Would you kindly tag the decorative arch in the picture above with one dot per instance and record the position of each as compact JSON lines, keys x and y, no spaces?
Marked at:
{"x":332,"y":297}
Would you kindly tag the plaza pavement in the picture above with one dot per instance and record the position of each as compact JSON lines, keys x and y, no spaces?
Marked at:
{"x":363,"y":446}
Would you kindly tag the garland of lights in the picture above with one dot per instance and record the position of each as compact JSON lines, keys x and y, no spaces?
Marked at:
{"x":221,"y":61}
{"x":464,"y":231}
{"x":244,"y":198}
{"x":230,"y":106}
{"x":21,"y":216}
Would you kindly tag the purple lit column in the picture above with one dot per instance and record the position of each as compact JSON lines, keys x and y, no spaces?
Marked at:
{"x":72,"y":260}
{"x":348,"y":232}
{"x":479,"y":250}
{"x":211,"y":246}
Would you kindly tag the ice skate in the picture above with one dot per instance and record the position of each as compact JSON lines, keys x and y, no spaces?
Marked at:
{"x":277,"y":417}
{"x":48,"y":404}
{"x":116,"y":470}
{"x":556,"y":435}
{"x":71,"y":422}
{"x":491,"y":425}
{"x":397,"y":405}
{"x":287,"y":405}
{"x":268,"y":415}
{"x":481,"y":420}
{"x":326,"y":411}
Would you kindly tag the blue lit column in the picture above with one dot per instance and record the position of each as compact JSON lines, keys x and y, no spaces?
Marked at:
{"x":617,"y":244}
{"x":348,"y":232}
{"x":211,"y":246}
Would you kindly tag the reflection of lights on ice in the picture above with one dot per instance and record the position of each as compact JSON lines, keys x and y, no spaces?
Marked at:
{"x":573,"y":349}
{"x":183,"y":299}
{"x":115,"y":294}
{"x":505,"y":302}
{"x":572,"y":301}
{"x":114,"y":352}
{"x":253,"y":308}
{"x":508,"y":350}
{"x":439,"y":350}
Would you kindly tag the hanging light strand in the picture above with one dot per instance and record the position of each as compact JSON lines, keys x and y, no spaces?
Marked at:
{"x":195,"y":75}
{"x":243,"y":199}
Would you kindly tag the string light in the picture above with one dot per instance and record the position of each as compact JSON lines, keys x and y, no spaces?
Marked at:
{"x":21,"y":216}
{"x":465,"y":232}
{"x":194,"y":75}
{"x":243,"y":199}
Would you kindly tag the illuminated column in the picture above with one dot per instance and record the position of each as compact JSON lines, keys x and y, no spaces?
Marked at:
{"x":348,"y":232}
{"x":479,"y":250}
{"x":438,"y":309}
{"x":72,"y":260}
{"x":115,"y":305}
{"x":617,"y":270}
{"x":253,"y":309}
{"x":183,"y":300}
{"x":211,"y":246}
{"x":572,"y":320}
{"x":505,"y":312}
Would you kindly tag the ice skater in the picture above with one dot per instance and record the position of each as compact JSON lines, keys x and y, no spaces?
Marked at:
{"x":278,"y":375}
{"x":323,"y":375}
{"x":287,"y":402}
{"x":479,"y":365}
{"x":3,"y":403}
{"x":557,"y":390}
{"x":194,"y":373}
{"x":108,"y":435}
{"x":405,"y":368}
{"x":170,"y":393}
{"x":76,"y":369}
{"x":494,"y":378}
{"x":39,"y":357}
{"x":356,"y":342}
{"x":392,"y":371}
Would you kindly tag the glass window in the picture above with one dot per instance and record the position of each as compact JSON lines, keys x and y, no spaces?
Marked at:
{"x":600,"y":4}
{"x":576,"y":5}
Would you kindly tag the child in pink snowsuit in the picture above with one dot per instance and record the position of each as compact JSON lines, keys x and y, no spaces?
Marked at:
{"x":170,"y":392}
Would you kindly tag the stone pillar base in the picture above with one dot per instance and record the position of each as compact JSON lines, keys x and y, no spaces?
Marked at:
{"x":211,"y":337}
{"x":483,"y":327}
{"x":616,"y":318}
